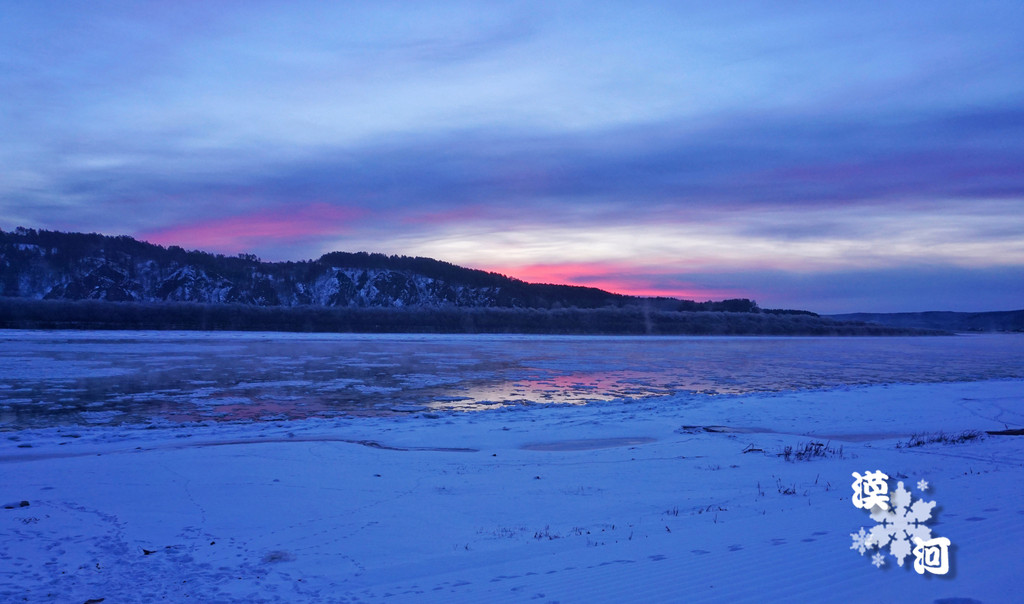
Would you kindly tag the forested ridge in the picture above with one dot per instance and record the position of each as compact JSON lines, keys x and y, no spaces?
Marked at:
{"x":51,"y":279}
{"x":54,"y":265}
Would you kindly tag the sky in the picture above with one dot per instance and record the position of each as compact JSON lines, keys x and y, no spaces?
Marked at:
{"x":829,"y":156}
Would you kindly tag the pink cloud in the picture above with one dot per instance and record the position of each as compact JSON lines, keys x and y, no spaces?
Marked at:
{"x":619,"y":278}
{"x":244,"y":232}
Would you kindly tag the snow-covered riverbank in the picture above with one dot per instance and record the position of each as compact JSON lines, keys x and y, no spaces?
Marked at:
{"x":614,"y":501}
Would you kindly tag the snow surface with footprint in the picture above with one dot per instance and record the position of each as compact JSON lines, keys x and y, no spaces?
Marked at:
{"x":616,"y":501}
{"x":367,"y":509}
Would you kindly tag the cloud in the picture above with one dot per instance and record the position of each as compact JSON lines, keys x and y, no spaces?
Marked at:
{"x":823,"y":196}
{"x":619,"y":277}
{"x":792,"y":161}
{"x":260,"y":230}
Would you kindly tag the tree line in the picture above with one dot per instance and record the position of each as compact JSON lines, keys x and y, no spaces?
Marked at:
{"x":21,"y":313}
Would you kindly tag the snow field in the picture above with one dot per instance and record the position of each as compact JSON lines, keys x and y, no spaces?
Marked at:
{"x":454,"y":509}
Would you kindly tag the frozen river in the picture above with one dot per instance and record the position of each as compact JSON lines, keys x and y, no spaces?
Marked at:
{"x":72,"y":377}
{"x":156,"y":466}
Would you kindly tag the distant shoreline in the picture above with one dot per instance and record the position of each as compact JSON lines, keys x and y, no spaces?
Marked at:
{"x":20,"y":313}
{"x":968,"y":322}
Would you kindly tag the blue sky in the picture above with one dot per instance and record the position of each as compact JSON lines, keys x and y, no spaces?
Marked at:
{"x":831,"y":156}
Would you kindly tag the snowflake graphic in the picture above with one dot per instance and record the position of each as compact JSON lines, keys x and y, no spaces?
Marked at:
{"x":878,"y":560}
{"x":898,"y":526}
{"x":922,"y":485}
{"x":861,"y":541}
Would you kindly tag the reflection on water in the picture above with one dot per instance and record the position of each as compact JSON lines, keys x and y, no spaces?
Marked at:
{"x":55,"y":378}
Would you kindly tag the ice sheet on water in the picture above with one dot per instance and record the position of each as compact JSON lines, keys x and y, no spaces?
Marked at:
{"x":428,"y":379}
{"x":55,"y":369}
{"x":366,"y":389}
{"x":272,"y":384}
{"x":227,"y":400}
{"x":174,"y":375}
{"x":99,"y":417}
{"x":334,"y":385}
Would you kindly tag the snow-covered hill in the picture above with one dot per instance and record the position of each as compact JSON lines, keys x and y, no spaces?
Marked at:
{"x":75,"y":266}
